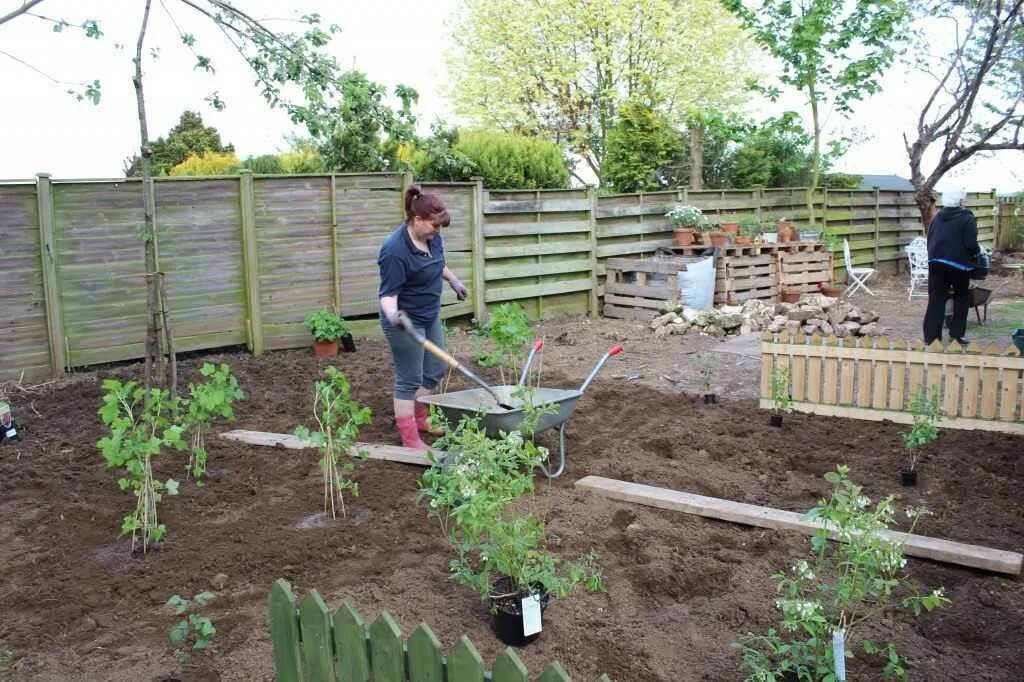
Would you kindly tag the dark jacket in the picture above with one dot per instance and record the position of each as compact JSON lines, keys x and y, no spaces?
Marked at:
{"x":953,"y":236}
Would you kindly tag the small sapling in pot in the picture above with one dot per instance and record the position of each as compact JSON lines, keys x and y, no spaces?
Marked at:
{"x":706,"y":369}
{"x":925,"y":408}
{"x":782,"y":401}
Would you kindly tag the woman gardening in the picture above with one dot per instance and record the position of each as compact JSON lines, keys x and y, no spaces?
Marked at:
{"x":412,"y":265}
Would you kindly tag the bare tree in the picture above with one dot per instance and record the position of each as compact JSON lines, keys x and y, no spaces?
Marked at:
{"x":977,"y":104}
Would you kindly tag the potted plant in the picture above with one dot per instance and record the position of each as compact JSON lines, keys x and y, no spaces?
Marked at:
{"x":327,"y":329}
{"x":478,"y":495}
{"x":731,"y":225}
{"x":706,"y":369}
{"x":832,"y":289}
{"x":686,"y":220}
{"x":781,"y":399}
{"x":749,"y":228}
{"x":718,"y":238}
{"x":791,"y":295}
{"x":927,"y":413}
{"x":768,"y":231}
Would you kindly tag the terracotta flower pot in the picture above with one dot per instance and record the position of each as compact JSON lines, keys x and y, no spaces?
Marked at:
{"x":832,"y":290}
{"x":325,"y":349}
{"x":684,"y":236}
{"x":741,"y":240}
{"x":731,"y":228}
{"x":718,"y":239}
{"x":791,"y":296}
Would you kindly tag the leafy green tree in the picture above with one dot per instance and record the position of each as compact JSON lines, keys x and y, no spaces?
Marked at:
{"x":189,"y":138}
{"x":772,"y":154}
{"x":509,"y":161}
{"x":264,"y":164}
{"x":640,"y":145}
{"x":563,"y":68}
{"x":362,"y":133}
{"x":436,"y":158}
{"x":833,"y":51}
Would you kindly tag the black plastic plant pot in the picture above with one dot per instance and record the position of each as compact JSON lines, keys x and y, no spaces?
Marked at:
{"x":775,"y":420}
{"x":348,"y":344}
{"x":710,"y":399}
{"x":908,"y":478}
{"x":507,"y":614}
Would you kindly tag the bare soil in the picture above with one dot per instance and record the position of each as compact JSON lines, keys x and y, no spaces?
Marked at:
{"x":76,"y":606}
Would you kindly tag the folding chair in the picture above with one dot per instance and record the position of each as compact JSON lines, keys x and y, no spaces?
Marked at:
{"x":917,"y":254}
{"x":857,"y":276}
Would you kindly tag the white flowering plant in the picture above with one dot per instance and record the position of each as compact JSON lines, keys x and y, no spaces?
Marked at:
{"x":482,"y":494}
{"x":686,"y":216}
{"x":843,"y":585}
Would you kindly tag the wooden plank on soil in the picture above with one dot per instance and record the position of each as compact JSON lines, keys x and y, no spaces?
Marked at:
{"x":392,"y":453}
{"x":973,"y":556}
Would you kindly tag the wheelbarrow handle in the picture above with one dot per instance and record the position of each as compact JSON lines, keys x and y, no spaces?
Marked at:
{"x":614,"y":350}
{"x":538,"y":344}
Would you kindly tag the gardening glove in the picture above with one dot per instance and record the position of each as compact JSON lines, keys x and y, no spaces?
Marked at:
{"x":460,"y":291}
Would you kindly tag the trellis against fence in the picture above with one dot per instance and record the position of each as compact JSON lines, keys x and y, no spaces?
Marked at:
{"x":247,"y":257}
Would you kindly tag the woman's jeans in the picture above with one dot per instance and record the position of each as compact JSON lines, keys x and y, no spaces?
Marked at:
{"x":942,"y":278}
{"x":414,"y":366}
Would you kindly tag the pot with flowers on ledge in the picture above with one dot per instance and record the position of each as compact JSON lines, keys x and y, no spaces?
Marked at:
{"x":686,"y":221}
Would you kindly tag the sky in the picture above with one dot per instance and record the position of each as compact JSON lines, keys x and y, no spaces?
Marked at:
{"x":42,"y":129}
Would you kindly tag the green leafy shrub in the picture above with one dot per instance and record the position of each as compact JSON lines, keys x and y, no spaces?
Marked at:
{"x":508,"y":333}
{"x":265,"y":164}
{"x":338,"y":417}
{"x":927,"y":412}
{"x":640,"y":145}
{"x":782,"y":401}
{"x":478,"y":494}
{"x":140,"y":428}
{"x":843,"y":585}
{"x":213,"y":398}
{"x":208,"y":163}
{"x":194,"y":627}
{"x":508,"y":161}
{"x":325,"y":325}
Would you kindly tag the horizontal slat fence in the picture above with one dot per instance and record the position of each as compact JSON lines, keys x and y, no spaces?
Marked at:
{"x":247,"y":257}
{"x":311,"y":644}
{"x":876,"y":378}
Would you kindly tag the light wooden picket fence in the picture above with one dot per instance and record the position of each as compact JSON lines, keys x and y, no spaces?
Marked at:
{"x":313,"y":645}
{"x":875,"y":378}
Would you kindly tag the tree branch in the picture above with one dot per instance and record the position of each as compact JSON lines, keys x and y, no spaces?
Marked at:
{"x":29,"y":4}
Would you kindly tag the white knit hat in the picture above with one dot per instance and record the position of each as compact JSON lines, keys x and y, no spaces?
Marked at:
{"x":954,"y":196}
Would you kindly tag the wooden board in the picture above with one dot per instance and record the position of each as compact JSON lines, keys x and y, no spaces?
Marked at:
{"x":973,"y":556}
{"x":391,"y":453}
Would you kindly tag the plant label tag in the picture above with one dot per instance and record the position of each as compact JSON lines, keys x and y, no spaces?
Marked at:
{"x":839,"y":653}
{"x":531,"y":615}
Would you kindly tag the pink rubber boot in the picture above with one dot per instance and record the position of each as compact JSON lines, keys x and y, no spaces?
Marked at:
{"x":422,"y":413}
{"x":410,"y":433}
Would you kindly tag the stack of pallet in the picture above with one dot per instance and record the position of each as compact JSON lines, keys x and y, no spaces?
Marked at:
{"x":640,"y":288}
{"x":804,"y":272}
{"x":745,"y":278}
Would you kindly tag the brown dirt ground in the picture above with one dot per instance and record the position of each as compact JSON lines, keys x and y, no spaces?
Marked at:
{"x":680,"y":588}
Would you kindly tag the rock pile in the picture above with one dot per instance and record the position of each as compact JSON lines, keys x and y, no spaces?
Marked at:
{"x":814,"y":313}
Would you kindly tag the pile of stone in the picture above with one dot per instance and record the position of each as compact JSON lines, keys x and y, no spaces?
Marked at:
{"x":813,"y":313}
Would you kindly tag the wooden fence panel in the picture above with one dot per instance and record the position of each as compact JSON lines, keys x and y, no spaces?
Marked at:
{"x":23,"y":327}
{"x":311,"y":645}
{"x":538,"y":250}
{"x":101,"y":260}
{"x":200,"y":242}
{"x":877,"y":379}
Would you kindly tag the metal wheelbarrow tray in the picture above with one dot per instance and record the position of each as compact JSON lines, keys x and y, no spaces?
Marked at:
{"x":495,"y":419}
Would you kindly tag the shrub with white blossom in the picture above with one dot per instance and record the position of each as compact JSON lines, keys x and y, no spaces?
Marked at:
{"x":843,"y":585}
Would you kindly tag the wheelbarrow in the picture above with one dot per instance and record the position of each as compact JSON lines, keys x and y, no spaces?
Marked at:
{"x":497,"y":419}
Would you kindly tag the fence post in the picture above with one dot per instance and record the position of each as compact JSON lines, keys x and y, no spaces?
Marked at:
{"x":479,"y":261}
{"x":51,"y":285}
{"x":251,"y":263}
{"x":824,"y":211}
{"x":759,"y":196}
{"x":593,"y":304}
{"x":877,"y":221}
{"x":335,"y":275}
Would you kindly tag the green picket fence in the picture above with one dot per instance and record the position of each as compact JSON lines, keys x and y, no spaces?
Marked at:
{"x":313,"y":645}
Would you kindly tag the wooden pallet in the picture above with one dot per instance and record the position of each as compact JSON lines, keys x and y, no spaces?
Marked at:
{"x":751,"y":250}
{"x":744,"y":277}
{"x":804,"y":272}
{"x":637,"y":288}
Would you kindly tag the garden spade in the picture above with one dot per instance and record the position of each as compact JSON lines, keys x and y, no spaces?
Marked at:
{"x":431,"y":347}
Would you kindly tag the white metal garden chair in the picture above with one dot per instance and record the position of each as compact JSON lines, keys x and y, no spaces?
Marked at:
{"x":856,"y":276}
{"x":917,"y":254}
